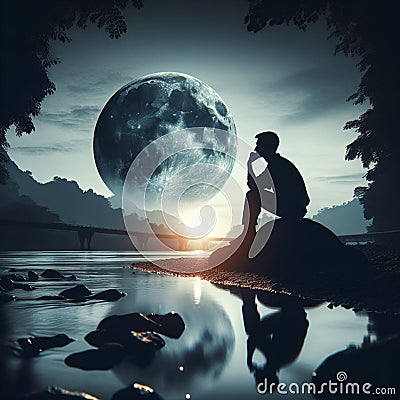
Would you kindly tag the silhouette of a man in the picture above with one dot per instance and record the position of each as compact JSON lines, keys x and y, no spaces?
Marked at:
{"x":279,"y":336}
{"x":280,"y":179}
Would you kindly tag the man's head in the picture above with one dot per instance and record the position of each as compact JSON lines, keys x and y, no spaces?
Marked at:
{"x":267,"y":143}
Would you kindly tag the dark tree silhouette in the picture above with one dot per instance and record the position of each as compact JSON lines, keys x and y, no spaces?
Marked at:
{"x":362,"y":28}
{"x":26,"y":30}
{"x":368,"y":30}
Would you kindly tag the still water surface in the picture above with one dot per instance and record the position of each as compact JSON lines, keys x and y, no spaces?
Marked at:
{"x":207,"y":362}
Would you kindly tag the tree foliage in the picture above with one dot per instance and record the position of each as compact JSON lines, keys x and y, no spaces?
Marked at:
{"x":27,"y":28}
{"x":362,"y":28}
{"x":368,"y":30}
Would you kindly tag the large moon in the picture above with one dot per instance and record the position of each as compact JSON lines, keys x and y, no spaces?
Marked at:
{"x":156,"y":105}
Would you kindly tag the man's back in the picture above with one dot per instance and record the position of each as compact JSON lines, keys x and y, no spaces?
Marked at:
{"x":291,"y":193}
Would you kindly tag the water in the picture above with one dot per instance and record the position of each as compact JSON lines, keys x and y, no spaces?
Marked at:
{"x":207,"y":362}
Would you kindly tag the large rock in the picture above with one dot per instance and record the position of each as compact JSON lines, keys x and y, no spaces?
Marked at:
{"x":103,"y":359}
{"x":375,"y":363}
{"x":140,"y":346}
{"x":82,"y":293}
{"x":137,"y":391}
{"x":128,"y":322}
{"x":78,"y":292}
{"x":56,"y":275}
{"x":33,"y":276}
{"x":171,"y":324}
{"x":57,"y":393}
{"x":108,"y":295}
{"x":296,"y":249}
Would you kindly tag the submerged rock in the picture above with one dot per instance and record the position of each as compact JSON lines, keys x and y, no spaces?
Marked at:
{"x":23,"y":286}
{"x":34,"y":345}
{"x":108,"y":295}
{"x":171,"y":324}
{"x":148,"y":339}
{"x":137,"y":391}
{"x":77,"y":292}
{"x":16,"y":277}
{"x":6,"y":298}
{"x":82,"y":293}
{"x":139,"y":346}
{"x":57,"y":393}
{"x":103,"y":359}
{"x":33,"y":276}
{"x":128,"y":322}
{"x":28,"y":352}
{"x":54,"y":274}
{"x":130,"y":340}
{"x":98,"y":338}
{"x":144,"y":347}
{"x":6,"y":283}
{"x":49,"y":297}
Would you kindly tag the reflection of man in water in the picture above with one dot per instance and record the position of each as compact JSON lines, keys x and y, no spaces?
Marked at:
{"x":279,"y":336}
{"x":287,"y":184}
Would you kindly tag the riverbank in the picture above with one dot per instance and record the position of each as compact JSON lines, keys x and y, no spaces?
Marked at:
{"x":377,"y":292}
{"x":212,"y":348}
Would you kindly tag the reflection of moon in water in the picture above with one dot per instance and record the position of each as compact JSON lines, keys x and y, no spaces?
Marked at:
{"x":183,"y":365}
{"x":151,"y":107}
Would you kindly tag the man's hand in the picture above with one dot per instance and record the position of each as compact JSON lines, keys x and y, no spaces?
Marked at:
{"x":250,"y":176}
{"x":253,"y":157}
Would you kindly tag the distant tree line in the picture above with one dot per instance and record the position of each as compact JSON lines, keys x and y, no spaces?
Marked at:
{"x":60,"y":201}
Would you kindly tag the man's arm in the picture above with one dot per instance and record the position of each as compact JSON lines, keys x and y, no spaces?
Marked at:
{"x":251,"y":177}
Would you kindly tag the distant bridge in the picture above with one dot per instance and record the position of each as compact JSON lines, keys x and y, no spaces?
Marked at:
{"x":385,"y":236}
{"x":86,"y":233}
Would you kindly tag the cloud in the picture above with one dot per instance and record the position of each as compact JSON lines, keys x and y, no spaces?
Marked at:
{"x":95,"y":84}
{"x":54,"y":148}
{"x":89,"y":87}
{"x":77,"y":118}
{"x":349,"y":178}
{"x":312,"y":92}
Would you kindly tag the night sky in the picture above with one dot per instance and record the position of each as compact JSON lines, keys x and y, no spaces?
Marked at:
{"x":279,"y":79}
